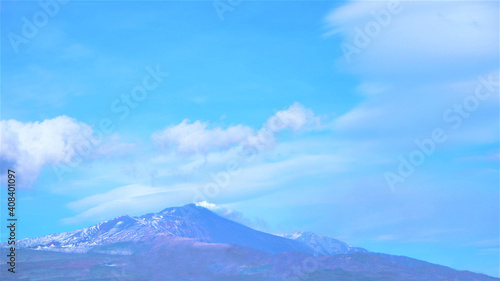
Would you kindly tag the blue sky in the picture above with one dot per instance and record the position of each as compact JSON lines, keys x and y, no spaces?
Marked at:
{"x":265,"y":111}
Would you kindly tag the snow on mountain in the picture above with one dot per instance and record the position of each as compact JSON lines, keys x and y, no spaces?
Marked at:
{"x":189,"y":221}
{"x":323,"y":245}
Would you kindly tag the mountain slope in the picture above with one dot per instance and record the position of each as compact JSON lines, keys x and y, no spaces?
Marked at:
{"x":323,"y":245}
{"x":167,"y":258}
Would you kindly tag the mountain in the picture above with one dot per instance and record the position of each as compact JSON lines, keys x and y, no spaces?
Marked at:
{"x":323,"y":245}
{"x":189,"y":221}
{"x":192,"y":243}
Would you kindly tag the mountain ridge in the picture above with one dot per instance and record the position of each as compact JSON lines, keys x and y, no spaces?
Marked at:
{"x":188,"y":221}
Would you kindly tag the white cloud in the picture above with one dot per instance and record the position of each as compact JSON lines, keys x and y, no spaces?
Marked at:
{"x":233,"y":215}
{"x":296,"y":118}
{"x":221,"y":211}
{"x":199,"y":138}
{"x":29,"y":146}
{"x":192,"y":138}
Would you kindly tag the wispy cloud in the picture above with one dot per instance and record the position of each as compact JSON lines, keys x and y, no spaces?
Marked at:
{"x":459,"y":36}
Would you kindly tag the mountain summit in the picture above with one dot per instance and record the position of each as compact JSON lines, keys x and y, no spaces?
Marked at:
{"x":189,"y":221}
